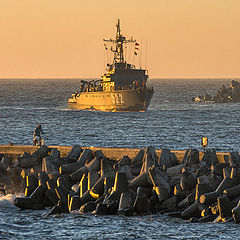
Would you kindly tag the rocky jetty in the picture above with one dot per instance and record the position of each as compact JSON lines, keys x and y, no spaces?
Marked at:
{"x":199,"y":190}
{"x":223,"y":95}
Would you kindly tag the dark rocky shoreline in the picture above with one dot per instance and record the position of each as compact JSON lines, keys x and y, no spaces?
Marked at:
{"x":223,"y":95}
{"x":199,"y":190}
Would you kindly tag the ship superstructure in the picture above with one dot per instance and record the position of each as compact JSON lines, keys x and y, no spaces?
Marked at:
{"x":122,"y":88}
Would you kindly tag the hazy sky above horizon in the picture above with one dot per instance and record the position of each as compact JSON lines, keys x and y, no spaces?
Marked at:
{"x":63,"y":38}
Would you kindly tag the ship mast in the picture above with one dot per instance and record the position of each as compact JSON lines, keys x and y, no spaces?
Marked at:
{"x":119,"y":41}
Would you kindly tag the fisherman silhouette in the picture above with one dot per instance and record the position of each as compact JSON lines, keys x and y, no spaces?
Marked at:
{"x":37,"y":135}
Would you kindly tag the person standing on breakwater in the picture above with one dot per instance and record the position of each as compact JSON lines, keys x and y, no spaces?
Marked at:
{"x":37,"y":135}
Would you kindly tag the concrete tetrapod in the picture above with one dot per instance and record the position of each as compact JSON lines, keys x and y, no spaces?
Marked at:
{"x":65,"y":180}
{"x":52,"y":197}
{"x":188,"y":200}
{"x":55,"y":154}
{"x":141,"y":204}
{"x":89,"y":195}
{"x":107,"y":168}
{"x":234,"y":159}
{"x":62,"y":193}
{"x":101,"y":209}
{"x":83,"y":185}
{"x":77,"y":175}
{"x":49,"y":165}
{"x":92,"y":166}
{"x":150,"y":159}
{"x":43,"y":179}
{"x":27,"y":160}
{"x":93,"y":192}
{"x":187,"y":181}
{"x":167,"y":159}
{"x":160,"y":183}
{"x":136,"y":169}
{"x":140,"y":181}
{"x":170,"y":203}
{"x":232,"y":192}
{"x":179,"y":193}
{"x":32,"y":202}
{"x":143,"y":179}
{"x":210,"y":157}
{"x":88,"y":207}
{"x":225,"y":207}
{"x":138,"y":158}
{"x":74,"y":154}
{"x":85,"y":157}
{"x":236,"y":213}
{"x":201,"y":188}
{"x":6,"y":162}
{"x":194,"y":210}
{"x":74,"y":204}
{"x":191,"y":157}
{"x":211,"y":197}
{"x":41,"y":152}
{"x":217,"y":169}
{"x":120,"y":186}
{"x":125,"y":205}
{"x":31,"y":184}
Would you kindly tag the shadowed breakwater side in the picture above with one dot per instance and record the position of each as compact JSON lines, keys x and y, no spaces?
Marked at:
{"x":199,"y":189}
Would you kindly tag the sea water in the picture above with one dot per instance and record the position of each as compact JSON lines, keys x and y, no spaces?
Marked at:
{"x":172,"y":121}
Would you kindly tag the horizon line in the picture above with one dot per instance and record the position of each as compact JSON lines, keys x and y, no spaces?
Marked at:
{"x":97,"y":77}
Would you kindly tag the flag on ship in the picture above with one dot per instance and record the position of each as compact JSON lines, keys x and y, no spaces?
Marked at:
{"x":136,"y":48}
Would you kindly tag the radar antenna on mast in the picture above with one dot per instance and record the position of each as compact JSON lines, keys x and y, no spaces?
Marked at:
{"x":119,"y":41}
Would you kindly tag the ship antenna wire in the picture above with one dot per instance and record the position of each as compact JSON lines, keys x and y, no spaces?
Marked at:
{"x":108,"y":55}
{"x":126,"y":53}
{"x":140,"y":56}
{"x":104,"y":55}
{"x":146,"y":56}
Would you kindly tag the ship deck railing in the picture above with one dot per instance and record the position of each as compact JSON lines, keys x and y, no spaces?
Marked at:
{"x":127,"y":88}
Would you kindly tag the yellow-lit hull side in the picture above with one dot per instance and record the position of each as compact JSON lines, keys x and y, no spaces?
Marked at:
{"x":113,"y":101}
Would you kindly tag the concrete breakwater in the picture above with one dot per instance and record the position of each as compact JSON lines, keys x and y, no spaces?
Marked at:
{"x":184,"y":184}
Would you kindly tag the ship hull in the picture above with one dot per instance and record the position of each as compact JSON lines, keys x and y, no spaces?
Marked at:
{"x":113,"y":101}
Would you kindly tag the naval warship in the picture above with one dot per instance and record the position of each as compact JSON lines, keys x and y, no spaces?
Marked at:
{"x":122,"y":88}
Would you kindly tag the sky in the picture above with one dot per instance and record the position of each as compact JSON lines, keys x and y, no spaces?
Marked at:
{"x":63,"y":38}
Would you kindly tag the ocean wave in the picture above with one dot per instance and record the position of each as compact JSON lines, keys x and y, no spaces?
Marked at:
{"x":6,"y":201}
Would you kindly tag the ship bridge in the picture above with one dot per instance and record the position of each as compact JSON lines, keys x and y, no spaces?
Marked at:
{"x":123,"y":76}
